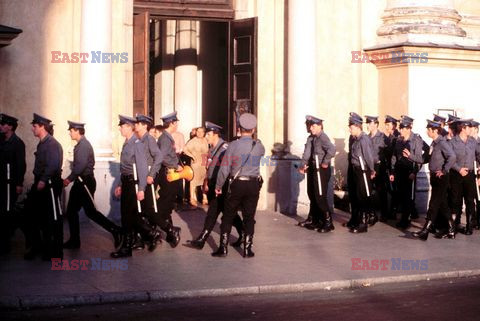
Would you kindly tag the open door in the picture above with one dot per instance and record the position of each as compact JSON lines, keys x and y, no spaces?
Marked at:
{"x":140,"y":63}
{"x":242,"y":84}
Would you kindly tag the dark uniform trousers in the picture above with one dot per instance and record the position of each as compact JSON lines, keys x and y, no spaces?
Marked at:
{"x":132,"y":220}
{"x":352,"y":191}
{"x":463,"y":188}
{"x":9,"y":218}
{"x":44,"y":224}
{"x":404,"y":186}
{"x":438,"y":200}
{"x":381,"y":182}
{"x":148,"y":205}
{"x":244,"y":195}
{"x":166,"y":201}
{"x":216,"y":205}
{"x":318,"y":204}
{"x":363,"y":202}
{"x":79,"y":198}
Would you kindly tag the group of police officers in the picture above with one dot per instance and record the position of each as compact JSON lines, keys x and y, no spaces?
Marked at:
{"x":233,"y":184}
{"x":383,"y":164}
{"x":382,"y":172}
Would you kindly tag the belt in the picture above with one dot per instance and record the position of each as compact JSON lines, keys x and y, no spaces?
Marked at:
{"x":248,"y":178}
{"x":126,"y":178}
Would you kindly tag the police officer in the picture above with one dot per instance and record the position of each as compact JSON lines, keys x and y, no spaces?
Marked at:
{"x":391,"y":134}
{"x":83,"y":189}
{"x":134,"y":172}
{"x":462,"y":176}
{"x":442,"y":158}
{"x":442,"y":120}
{"x":316,"y":158}
{"x":168,"y":190}
{"x":154,"y":160}
{"x":452,"y":126}
{"x":242,"y":168}
{"x":362,"y":172}
{"x":12,"y":172}
{"x":216,"y":203}
{"x":45,"y":220}
{"x":380,"y":144}
{"x":405,"y":164}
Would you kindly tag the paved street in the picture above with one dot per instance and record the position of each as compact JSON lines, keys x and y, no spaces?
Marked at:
{"x":427,"y":300}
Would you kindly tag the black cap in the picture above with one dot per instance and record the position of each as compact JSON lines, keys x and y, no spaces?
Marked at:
{"x":169,"y":117}
{"x":7,"y":119}
{"x":464,"y":122}
{"x":452,"y":118}
{"x":433,"y":124}
{"x":144,"y":119}
{"x":438,"y":118}
{"x":406,"y":121}
{"x":75,"y":125}
{"x":371,"y":119}
{"x":474,"y":123}
{"x":211,"y":127}
{"x":126,"y":120}
{"x":390,"y":119}
{"x":40,"y":120}
{"x":309,"y":119}
{"x":355,"y":119}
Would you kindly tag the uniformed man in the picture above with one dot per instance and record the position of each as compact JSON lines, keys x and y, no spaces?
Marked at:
{"x":405,"y":164}
{"x":442,"y":158}
{"x":452,"y":126}
{"x":216,"y":204}
{"x":134,"y":172}
{"x":362,"y":172}
{"x":391,"y":134}
{"x":442,"y":120}
{"x":168,"y":190}
{"x":12,"y":172}
{"x":154,"y":160}
{"x":316,"y":158}
{"x":242,"y":169}
{"x":474,"y":133}
{"x":462,"y":176}
{"x":45,"y":220}
{"x":380,"y":144}
{"x":83,"y":189}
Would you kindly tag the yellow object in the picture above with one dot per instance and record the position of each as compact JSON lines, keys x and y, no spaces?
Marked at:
{"x":186,"y":173}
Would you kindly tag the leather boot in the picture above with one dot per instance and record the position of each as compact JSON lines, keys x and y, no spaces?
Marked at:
{"x":137,"y":242}
{"x":468,"y":229}
{"x":72,"y":244}
{"x":126,"y":248}
{"x":239,"y":241}
{"x":313,"y":225}
{"x":328,"y":225}
{"x":199,"y":242}
{"x":372,"y":218}
{"x":154,"y":238}
{"x":353,"y":221}
{"x":363,"y":226}
{"x":173,"y":236}
{"x":305,"y":222}
{"x":247,"y":246}
{"x":117,"y":237}
{"x":222,"y":250}
{"x":423,"y":233}
{"x":451,"y":229}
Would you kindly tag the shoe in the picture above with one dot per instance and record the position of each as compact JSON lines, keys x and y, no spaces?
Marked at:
{"x":363,"y":226}
{"x":239,"y":241}
{"x":247,"y":246}
{"x":117,"y":238}
{"x":72,"y":244}
{"x":222,"y":250}
{"x":126,"y":248}
{"x":305,"y":222}
{"x":199,"y":242}
{"x":372,"y":218}
{"x":313,"y":225}
{"x":137,"y":242}
{"x":154,"y":238}
{"x":451,"y":230}
{"x":423,"y":233}
{"x":173,"y":236}
{"x":328,"y":225}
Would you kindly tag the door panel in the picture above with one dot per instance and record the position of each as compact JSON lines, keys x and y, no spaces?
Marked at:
{"x":140,"y":63}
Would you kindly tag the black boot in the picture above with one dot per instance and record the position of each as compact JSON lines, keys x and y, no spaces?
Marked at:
{"x":126,"y":248}
{"x":468,"y":229}
{"x":307,"y":221}
{"x":154,"y":239}
{"x":423,"y":233}
{"x":117,"y":237}
{"x":247,"y":246}
{"x":353,"y":221}
{"x":137,"y":242}
{"x":372,"y":218}
{"x":199,"y":242}
{"x":239,"y":241}
{"x":173,"y":236}
{"x":328,"y":225}
{"x":313,"y":225}
{"x":72,"y":244}
{"x":451,"y":229}
{"x":222,"y":250}
{"x":363,"y":226}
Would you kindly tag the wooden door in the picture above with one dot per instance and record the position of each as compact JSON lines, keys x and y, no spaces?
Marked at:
{"x":141,"y":51}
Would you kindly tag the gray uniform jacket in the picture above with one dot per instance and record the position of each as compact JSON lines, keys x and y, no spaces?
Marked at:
{"x":465,"y":152}
{"x":166,"y":144}
{"x":83,"y":160}
{"x":379,"y":143}
{"x":133,"y":152}
{"x":415,"y":145}
{"x":48,"y":159}
{"x":362,"y":147}
{"x":154,"y":156}
{"x":442,"y":157}
{"x":322,"y":146}
{"x":236,"y":155}
{"x":215,"y":157}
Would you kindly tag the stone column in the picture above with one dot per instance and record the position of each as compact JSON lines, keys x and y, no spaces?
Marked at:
{"x":186,"y":75}
{"x":301,"y":70}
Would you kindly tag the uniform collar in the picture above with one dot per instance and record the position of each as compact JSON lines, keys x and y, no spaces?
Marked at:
{"x":168,"y":135}
{"x":47,"y":137}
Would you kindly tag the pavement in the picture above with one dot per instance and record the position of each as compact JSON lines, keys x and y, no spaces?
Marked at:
{"x":288,"y":259}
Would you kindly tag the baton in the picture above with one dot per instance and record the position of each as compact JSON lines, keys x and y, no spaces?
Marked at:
{"x":139,"y":207}
{"x":318,"y":176}
{"x":53,"y":201}
{"x":153,"y":196}
{"x":8,"y":187}
{"x":364,"y":175}
{"x":88,"y":192}
{"x":476,"y":183}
